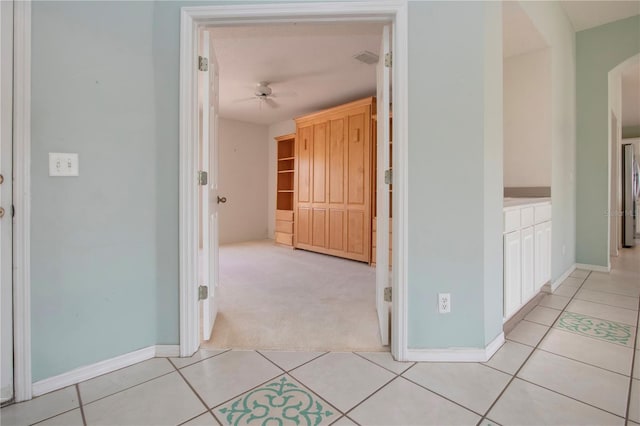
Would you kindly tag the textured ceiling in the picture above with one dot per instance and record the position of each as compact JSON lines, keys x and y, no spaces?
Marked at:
{"x":588,"y":14}
{"x":309,"y":67}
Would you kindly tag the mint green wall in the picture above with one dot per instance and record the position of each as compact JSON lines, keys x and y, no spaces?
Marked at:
{"x":105,"y":244}
{"x":598,"y":51}
{"x":551,"y":21}
{"x":453,"y":192}
{"x":631,"y":132}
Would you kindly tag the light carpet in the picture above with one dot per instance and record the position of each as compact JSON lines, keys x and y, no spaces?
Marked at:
{"x":272,"y":297}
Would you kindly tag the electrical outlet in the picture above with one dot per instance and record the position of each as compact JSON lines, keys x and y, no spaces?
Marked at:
{"x":444,"y":303}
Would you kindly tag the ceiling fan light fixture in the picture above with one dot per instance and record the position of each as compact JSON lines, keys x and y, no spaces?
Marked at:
{"x":263,"y":90}
{"x":366,"y":57}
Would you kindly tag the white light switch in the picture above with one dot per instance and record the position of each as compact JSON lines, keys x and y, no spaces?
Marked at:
{"x":63,"y":164}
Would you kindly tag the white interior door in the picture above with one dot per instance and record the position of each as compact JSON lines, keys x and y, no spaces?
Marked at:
{"x":6,"y":268}
{"x":382,"y":188}
{"x":209,"y":162}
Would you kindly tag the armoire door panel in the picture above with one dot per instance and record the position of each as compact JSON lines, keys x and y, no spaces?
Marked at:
{"x":319,"y":163}
{"x":303,"y":225}
{"x":336,"y":161}
{"x":358,"y":158}
{"x":318,"y":237}
{"x":355,"y":232}
{"x":336,"y":229}
{"x":303,"y":168}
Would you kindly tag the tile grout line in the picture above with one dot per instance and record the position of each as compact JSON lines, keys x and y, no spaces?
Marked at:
{"x":440,"y":395}
{"x":294,"y":368}
{"x":84,"y":419}
{"x":378,"y":365}
{"x":196,"y":416}
{"x":193,"y":390}
{"x":572,"y":397}
{"x":222,"y":351}
{"x":633,"y":366}
{"x":513,"y":377}
{"x":50,"y":417}
{"x":128,"y":387}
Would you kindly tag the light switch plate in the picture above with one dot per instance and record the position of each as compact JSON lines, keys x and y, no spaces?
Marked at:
{"x":63,"y":164}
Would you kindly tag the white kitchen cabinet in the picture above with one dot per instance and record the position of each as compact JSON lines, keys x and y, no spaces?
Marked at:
{"x":512,"y":273}
{"x":542,"y":269}
{"x":527,"y":251}
{"x":528,"y":256}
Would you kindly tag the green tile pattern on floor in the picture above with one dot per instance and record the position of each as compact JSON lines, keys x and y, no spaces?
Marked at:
{"x":594,"y":327}
{"x":279,"y":402}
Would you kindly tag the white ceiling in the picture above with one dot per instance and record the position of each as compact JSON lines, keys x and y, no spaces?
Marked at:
{"x":309,"y":67}
{"x":589,"y":14}
{"x":519,"y":34}
{"x":631,"y":95}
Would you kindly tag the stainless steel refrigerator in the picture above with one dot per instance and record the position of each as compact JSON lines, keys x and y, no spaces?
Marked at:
{"x":630,"y":195}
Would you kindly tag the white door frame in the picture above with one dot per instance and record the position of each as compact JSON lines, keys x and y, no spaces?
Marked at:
{"x":614,"y":176}
{"x":22,"y":200}
{"x":191,"y":19}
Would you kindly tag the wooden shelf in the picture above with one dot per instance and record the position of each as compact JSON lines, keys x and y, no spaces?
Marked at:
{"x":285,"y":166}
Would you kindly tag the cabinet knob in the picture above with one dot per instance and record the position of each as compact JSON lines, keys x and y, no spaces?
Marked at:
{"x":222,"y":200}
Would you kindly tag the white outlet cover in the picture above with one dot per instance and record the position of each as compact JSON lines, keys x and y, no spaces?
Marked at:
{"x":63,"y":164}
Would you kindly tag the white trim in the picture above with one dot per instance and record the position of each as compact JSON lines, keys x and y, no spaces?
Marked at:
{"x":552,"y":286}
{"x":595,"y":268}
{"x":22,"y":200}
{"x":457,"y":354}
{"x":365,"y":11}
{"x":165,"y":351}
{"x":188,"y":213}
{"x":102,"y":367}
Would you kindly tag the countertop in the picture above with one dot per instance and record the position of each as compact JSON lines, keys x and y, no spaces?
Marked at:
{"x":519,"y":202}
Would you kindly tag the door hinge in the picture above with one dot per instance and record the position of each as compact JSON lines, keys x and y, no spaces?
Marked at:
{"x":203,"y":292}
{"x":388,"y":60}
{"x":203,"y":178}
{"x":203,"y":63}
{"x":388,"y":176}
{"x":387,"y":294}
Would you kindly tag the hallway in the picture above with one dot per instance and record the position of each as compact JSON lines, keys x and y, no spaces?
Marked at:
{"x":570,"y":362}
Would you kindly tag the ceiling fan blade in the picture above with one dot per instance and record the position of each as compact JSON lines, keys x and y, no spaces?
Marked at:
{"x":289,"y":94}
{"x":271,"y":103}
{"x":236,"y":101}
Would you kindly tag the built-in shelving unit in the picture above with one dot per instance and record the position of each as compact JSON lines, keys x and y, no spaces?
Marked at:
{"x":286,"y":145}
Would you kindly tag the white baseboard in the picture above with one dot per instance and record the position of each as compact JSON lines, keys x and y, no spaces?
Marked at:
{"x":456,"y":354}
{"x":596,"y":268}
{"x":99,"y":368}
{"x":555,"y":284}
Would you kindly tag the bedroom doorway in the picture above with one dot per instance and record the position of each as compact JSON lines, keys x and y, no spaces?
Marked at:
{"x":195,"y":17}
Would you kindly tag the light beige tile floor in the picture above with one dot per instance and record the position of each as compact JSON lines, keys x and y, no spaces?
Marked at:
{"x":570,"y":362}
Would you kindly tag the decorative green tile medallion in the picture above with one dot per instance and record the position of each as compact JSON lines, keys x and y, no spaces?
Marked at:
{"x":276,"y":404}
{"x":594,"y":327}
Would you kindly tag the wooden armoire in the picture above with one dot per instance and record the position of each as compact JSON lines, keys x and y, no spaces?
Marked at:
{"x":333,"y":183}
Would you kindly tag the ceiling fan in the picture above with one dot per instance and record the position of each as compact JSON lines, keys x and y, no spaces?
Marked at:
{"x":263,"y":93}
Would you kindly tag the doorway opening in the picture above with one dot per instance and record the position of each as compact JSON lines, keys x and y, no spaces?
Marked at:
{"x":624,"y":156}
{"x":193,"y":18}
{"x":268,"y":295}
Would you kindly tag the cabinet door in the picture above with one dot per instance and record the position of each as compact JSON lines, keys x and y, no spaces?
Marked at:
{"x":547,"y":252}
{"x":302,"y":224}
{"x":527,"y":243}
{"x":542,"y":268}
{"x":512,"y":273}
